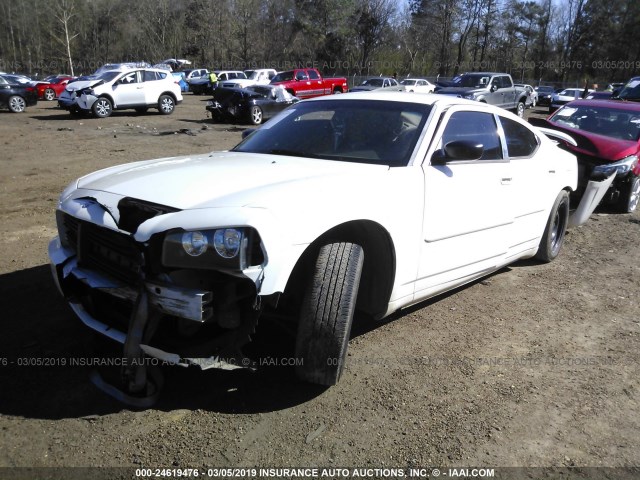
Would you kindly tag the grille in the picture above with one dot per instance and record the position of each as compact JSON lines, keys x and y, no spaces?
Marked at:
{"x":104,"y":250}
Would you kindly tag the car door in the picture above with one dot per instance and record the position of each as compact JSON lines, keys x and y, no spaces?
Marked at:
{"x":467,"y":203}
{"x":129,"y":90}
{"x":530,"y":191}
{"x":154,"y":86}
{"x":316,"y":84}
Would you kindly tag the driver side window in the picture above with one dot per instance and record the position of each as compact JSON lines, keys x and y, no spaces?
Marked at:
{"x":475,"y":128}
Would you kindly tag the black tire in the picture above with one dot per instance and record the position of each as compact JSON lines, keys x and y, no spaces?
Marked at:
{"x":629,"y":195}
{"x":16,"y":104}
{"x":520,"y":108}
{"x":49,"y":94}
{"x":166,"y":104}
{"x":255,"y":115}
{"x":102,"y":107}
{"x":327,"y":313}
{"x":553,"y":236}
{"x":142,"y":110}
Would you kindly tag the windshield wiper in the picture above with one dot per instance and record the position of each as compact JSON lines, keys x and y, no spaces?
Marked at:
{"x":292,"y":153}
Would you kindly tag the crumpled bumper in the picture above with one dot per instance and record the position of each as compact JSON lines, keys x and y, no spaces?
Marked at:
{"x":187,"y":303}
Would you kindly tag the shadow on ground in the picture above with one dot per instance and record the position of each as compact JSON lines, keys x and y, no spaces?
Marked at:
{"x":47,"y":355}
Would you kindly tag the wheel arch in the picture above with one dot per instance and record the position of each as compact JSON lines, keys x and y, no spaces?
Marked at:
{"x":379,"y":268}
{"x":171,"y":94}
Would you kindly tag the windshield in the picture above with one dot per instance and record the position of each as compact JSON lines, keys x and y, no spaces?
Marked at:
{"x":359,"y":131}
{"x":108,"y":76}
{"x":373,"y":82}
{"x":283,"y":77}
{"x":610,"y":122}
{"x":473,"y":81}
{"x":251,"y":74}
{"x":631,"y":90}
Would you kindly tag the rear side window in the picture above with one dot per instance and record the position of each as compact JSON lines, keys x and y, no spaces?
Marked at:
{"x":477,"y":128}
{"x":150,"y":76}
{"x":313,"y":75}
{"x":521,"y":142}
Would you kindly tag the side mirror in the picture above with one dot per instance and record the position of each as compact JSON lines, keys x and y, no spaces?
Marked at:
{"x":494,"y":87}
{"x":458,"y":150}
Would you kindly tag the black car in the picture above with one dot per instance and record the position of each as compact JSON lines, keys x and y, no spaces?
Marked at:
{"x":630,"y":92}
{"x":15,"y":96}
{"x":544,"y":95}
{"x":253,"y":104}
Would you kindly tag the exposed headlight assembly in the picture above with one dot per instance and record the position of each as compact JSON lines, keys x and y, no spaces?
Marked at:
{"x":621,"y":167}
{"x":231,"y":248}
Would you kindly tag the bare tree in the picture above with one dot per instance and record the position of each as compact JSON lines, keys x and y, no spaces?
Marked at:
{"x":64,"y":11}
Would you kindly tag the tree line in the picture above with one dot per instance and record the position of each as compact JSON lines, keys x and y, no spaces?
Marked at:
{"x":535,"y":41}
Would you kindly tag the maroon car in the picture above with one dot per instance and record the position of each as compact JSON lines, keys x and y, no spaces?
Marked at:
{"x":608,"y":136}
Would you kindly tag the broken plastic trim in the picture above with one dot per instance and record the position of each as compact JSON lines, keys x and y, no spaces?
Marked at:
{"x":590,"y":199}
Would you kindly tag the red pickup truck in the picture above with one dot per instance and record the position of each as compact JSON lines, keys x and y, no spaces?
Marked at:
{"x":307,"y":83}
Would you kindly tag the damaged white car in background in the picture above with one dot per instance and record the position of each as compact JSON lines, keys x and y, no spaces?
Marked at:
{"x":366,"y":201}
{"x":138,"y":89}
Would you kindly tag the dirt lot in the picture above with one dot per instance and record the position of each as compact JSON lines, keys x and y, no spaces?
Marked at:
{"x":536,"y":365}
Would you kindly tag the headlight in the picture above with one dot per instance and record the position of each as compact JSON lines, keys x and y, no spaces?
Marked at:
{"x":227,"y":242}
{"x":621,"y":167}
{"x":194,"y":243}
{"x":224,"y":248}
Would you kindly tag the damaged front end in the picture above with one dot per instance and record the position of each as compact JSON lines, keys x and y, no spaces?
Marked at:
{"x":183,"y":297}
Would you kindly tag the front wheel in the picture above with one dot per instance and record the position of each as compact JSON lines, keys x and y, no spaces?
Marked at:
{"x":256,"y":115}
{"x":327,"y":313}
{"x":49,"y":94}
{"x":520,"y":109}
{"x":102,"y":107}
{"x":629,"y":196}
{"x":166,"y":104}
{"x":17,"y":104}
{"x":553,"y":236}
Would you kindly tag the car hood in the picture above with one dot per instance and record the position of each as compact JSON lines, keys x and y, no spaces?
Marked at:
{"x":460,"y":90}
{"x":225,"y":179}
{"x":605,"y":148}
{"x":75,"y":86}
{"x":364,"y":88}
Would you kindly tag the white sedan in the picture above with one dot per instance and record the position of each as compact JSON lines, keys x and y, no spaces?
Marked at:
{"x":367,"y":201}
{"x":419,"y":85}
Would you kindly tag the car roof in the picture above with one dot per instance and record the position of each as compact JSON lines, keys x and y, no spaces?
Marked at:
{"x":432,"y":99}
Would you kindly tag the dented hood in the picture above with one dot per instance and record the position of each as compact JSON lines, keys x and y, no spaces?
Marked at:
{"x":225,"y":179}
{"x":599,"y":146}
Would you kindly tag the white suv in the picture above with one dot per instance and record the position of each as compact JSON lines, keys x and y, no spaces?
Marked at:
{"x":138,"y":89}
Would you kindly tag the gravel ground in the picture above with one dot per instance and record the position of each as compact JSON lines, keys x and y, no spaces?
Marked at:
{"x":534,"y":366}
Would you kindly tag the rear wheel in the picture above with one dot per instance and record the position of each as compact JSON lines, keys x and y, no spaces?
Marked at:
{"x":17,"y":104}
{"x":102,"y":107}
{"x":553,"y":236}
{"x":327,"y":313}
{"x":166,"y":104}
{"x":629,"y":196}
{"x":49,"y":94}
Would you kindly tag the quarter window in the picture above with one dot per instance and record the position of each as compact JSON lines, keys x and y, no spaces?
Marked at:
{"x":521,"y":142}
{"x":476,"y":128}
